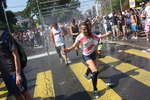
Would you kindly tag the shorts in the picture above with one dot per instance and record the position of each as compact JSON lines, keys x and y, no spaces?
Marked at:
{"x":10,"y":82}
{"x":92,"y":56}
{"x":74,"y":38}
{"x":58,"y":49}
{"x":133,"y":27}
{"x":124,"y":29}
{"x":147,"y":27}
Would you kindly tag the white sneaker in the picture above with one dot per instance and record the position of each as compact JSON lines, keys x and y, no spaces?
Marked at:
{"x":123,"y":38}
{"x":136,"y":38}
{"x":95,"y":93}
{"x":126,"y":38}
{"x":147,"y":39}
{"x":61,"y":60}
{"x":133,"y":37}
{"x":68,"y":61}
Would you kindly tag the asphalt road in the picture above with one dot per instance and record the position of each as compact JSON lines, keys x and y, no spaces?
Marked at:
{"x":126,"y":64}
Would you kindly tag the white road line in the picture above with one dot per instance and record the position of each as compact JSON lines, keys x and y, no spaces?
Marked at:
{"x":41,"y":55}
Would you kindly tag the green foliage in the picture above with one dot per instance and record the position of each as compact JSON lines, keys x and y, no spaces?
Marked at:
{"x":59,"y":8}
{"x":116,"y":5}
{"x":2,"y":26}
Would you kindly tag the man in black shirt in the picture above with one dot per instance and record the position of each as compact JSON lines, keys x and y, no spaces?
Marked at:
{"x":10,"y":68}
{"x":115,"y":28}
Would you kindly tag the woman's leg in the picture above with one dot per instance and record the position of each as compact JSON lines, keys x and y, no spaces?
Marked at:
{"x":94,"y":70}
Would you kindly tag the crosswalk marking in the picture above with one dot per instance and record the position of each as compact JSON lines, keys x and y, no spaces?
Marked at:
{"x":44,"y":89}
{"x":106,"y":93}
{"x":135,"y":72}
{"x":138,"y":53}
{"x":3,"y":91}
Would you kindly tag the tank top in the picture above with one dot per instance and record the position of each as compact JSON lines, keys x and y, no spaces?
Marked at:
{"x":75,"y":29}
{"x":58,"y":38}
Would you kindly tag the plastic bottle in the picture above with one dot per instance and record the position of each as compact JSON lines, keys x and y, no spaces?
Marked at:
{"x":110,"y":84}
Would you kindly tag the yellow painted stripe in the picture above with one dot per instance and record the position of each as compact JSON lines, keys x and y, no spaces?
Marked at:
{"x":3,"y":92}
{"x":135,"y":72}
{"x":106,"y":93}
{"x":44,"y":89}
{"x":138,"y":53}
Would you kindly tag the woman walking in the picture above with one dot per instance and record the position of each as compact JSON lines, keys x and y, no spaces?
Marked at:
{"x":89,"y":41}
{"x":74,"y":31}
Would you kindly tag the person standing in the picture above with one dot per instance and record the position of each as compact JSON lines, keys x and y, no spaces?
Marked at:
{"x":115,"y":28}
{"x":89,"y":41}
{"x":134,"y":24}
{"x":31,"y":36}
{"x":10,"y":68}
{"x":57,"y":36}
{"x":74,"y":30}
{"x":146,"y":14}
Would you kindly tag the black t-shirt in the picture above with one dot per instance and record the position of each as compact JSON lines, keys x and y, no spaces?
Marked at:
{"x":122,"y":20}
{"x":7,"y":65}
{"x":114,"y":20}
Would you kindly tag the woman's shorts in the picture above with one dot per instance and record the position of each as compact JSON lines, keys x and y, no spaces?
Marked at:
{"x":90,"y":57}
{"x":147,"y":27}
{"x":10,"y":82}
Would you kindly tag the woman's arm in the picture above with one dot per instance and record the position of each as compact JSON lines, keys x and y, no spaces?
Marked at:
{"x":104,"y":35}
{"x":71,"y":48}
{"x":94,"y":21}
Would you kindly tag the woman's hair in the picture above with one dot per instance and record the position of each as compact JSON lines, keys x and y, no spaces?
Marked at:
{"x":73,"y":21}
{"x":88,"y":29}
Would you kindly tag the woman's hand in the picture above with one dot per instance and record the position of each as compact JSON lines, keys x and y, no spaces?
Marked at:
{"x":66,"y":50}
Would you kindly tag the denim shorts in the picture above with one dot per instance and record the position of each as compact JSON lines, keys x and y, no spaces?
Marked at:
{"x":90,"y":57}
{"x":10,"y":82}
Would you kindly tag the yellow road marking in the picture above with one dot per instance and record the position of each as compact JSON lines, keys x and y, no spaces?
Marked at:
{"x":138,"y":53}
{"x":3,"y":91}
{"x":44,"y":89}
{"x":135,"y":72}
{"x":106,"y":93}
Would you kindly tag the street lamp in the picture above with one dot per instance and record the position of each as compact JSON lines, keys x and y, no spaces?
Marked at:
{"x":111,"y":6}
{"x":121,"y":5}
{"x":5,"y":17}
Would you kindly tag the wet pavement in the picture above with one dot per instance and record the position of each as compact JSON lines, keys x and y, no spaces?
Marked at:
{"x":126,"y":64}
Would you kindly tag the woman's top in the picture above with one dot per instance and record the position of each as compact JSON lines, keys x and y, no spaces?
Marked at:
{"x":88,"y":43}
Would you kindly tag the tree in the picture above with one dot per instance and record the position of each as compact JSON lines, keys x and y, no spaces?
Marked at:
{"x":52,"y":8}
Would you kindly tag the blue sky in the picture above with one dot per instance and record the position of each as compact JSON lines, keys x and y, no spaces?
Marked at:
{"x":19,"y":5}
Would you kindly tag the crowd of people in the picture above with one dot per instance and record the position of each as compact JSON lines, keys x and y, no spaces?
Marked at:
{"x":86,"y":33}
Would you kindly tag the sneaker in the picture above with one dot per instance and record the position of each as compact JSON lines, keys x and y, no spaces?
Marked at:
{"x":147,"y":39}
{"x":126,"y":38}
{"x":61,"y":60}
{"x":88,"y":77}
{"x":133,"y":37}
{"x":68,"y":61}
{"x":95,"y":93}
{"x":136,"y":38}
{"x":123,"y":38}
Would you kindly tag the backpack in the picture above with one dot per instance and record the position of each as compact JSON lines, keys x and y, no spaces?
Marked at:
{"x":21,"y":53}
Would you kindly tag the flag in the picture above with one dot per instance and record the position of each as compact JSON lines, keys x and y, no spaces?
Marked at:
{"x":132,"y":3}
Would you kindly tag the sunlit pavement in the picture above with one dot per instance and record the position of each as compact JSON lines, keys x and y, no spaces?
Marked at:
{"x":126,"y":64}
